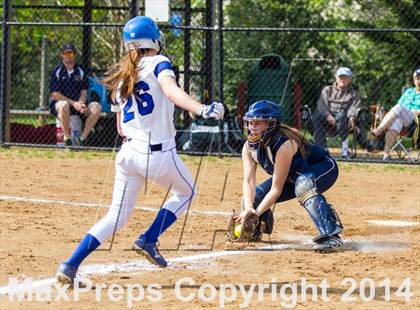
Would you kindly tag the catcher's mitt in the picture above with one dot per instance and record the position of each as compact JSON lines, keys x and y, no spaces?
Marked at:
{"x":249,"y":231}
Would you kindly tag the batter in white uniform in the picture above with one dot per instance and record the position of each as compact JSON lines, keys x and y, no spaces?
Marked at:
{"x":143,"y":87}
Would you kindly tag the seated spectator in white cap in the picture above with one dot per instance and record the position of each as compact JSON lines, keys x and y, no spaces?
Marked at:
{"x":336,"y":110}
{"x":401,"y":116}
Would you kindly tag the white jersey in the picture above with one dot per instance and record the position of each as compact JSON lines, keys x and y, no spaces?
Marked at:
{"x":148,"y":114}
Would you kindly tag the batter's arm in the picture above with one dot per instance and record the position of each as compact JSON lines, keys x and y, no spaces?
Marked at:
{"x":178,"y":96}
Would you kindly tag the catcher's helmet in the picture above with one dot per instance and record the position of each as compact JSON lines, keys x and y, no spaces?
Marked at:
{"x":265,"y":111}
{"x":141,"y":32}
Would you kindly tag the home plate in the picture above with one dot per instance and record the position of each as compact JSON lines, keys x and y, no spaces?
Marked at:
{"x":393,"y":223}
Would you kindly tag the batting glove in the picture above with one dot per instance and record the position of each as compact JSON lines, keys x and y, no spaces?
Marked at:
{"x":215,"y":110}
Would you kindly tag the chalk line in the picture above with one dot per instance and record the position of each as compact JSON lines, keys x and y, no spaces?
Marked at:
{"x":393,"y":223}
{"x":102,"y":269}
{"x":143,"y":265}
{"x":96,"y":269}
{"x":96,"y":205}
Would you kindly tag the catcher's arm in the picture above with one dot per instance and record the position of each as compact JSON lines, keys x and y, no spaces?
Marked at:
{"x":249,"y":181}
{"x":282,"y":164}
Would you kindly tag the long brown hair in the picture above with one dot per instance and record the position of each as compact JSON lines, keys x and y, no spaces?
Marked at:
{"x":295,"y":135}
{"x":124,"y":71}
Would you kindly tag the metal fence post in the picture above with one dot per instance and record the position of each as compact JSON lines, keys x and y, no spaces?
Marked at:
{"x":5,"y":74}
{"x":221,"y":52}
{"x":208,"y":56}
{"x":42,"y":80}
{"x":187,"y":46}
{"x":220,"y":72}
{"x":87,"y":36}
{"x":134,"y":8}
{"x":187,"y":55}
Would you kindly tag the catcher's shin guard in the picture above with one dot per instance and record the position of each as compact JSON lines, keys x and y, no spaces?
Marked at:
{"x":323,"y":214}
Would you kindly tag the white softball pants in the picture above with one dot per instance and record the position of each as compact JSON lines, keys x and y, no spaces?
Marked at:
{"x":133,"y":166}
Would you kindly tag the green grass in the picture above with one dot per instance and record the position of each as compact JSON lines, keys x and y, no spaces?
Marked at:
{"x":26,"y":152}
{"x":31,"y":120}
{"x":379,"y":167}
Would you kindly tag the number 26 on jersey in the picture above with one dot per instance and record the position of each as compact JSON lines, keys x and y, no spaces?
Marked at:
{"x":144,"y":101}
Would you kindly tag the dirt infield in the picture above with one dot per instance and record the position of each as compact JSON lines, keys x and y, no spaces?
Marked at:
{"x":49,"y":199}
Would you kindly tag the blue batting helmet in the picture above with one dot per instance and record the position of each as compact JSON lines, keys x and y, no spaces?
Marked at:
{"x":263,"y":111}
{"x":141,"y":32}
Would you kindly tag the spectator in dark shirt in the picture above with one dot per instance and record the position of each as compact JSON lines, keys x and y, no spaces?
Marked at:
{"x":68,"y":95}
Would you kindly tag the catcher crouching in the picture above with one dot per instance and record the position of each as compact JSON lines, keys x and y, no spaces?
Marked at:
{"x":298,"y":169}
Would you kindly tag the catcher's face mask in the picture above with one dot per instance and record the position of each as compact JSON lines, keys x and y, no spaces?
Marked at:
{"x":258,"y":131}
{"x":261,"y":122}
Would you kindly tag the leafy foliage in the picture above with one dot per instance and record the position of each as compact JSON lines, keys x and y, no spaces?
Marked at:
{"x":382,"y":61}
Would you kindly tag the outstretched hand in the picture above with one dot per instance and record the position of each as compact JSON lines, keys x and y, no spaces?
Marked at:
{"x":215,"y":110}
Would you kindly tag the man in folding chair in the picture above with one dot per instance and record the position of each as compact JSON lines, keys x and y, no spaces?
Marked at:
{"x":403,"y":115}
{"x":336,"y":110}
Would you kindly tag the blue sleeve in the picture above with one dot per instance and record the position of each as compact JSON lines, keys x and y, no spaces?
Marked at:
{"x":164,"y":65}
{"x":404,"y":98}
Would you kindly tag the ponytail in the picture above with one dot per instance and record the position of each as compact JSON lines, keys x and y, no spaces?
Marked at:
{"x":124,"y":72}
{"x":295,"y":135}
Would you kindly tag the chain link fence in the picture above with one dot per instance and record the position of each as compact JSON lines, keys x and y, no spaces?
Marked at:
{"x":284,"y":52}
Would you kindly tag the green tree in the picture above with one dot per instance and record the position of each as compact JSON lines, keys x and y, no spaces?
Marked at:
{"x":381,"y":61}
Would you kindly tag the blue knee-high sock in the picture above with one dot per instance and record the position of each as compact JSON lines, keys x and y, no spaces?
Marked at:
{"x":86,"y":246}
{"x":163,"y":220}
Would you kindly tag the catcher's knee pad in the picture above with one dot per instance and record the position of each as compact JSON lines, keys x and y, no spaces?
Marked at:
{"x":323,"y":214}
{"x":305,"y":187}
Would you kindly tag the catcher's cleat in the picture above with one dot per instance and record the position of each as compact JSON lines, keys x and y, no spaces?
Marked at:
{"x":66,"y":274}
{"x":149,"y":251}
{"x":327,"y":244}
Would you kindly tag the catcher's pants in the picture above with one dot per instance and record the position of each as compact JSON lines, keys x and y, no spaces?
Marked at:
{"x":325,"y":173}
{"x":134,"y":163}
